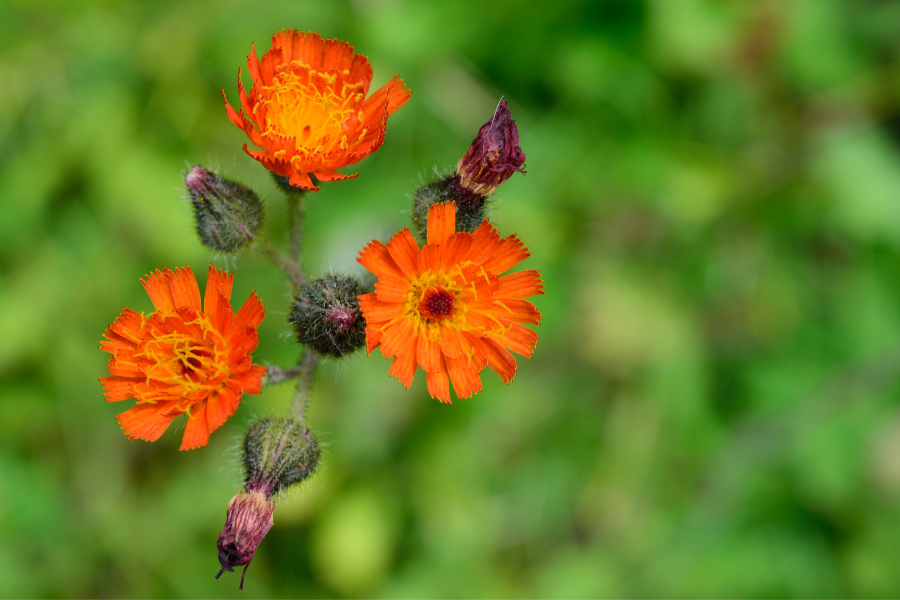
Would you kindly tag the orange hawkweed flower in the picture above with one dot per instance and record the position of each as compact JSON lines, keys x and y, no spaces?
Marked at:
{"x":446,"y":308}
{"x":181,"y":359}
{"x":308,"y":110}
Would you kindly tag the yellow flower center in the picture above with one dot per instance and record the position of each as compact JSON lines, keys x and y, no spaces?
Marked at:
{"x":313,"y":107}
{"x":194,"y":363}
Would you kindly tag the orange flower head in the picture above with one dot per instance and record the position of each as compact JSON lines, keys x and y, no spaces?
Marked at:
{"x":446,"y":307}
{"x":181,"y":359}
{"x":308,"y":110}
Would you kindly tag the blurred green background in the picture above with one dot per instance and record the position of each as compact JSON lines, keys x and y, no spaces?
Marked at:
{"x":713,"y":197}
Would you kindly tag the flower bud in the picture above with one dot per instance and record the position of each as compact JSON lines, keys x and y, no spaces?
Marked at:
{"x":470,"y":207}
{"x":247,"y":521}
{"x":278,"y":453}
{"x":492,"y":158}
{"x":228,"y":214}
{"x":326,"y":315}
{"x":494,"y":155}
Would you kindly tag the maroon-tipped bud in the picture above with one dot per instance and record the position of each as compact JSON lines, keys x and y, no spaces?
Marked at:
{"x":494,"y":155}
{"x":247,"y":522}
{"x":228,"y":215}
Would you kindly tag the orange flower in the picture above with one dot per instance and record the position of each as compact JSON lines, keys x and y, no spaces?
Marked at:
{"x":180,"y":359}
{"x":446,"y":308}
{"x":308,"y":109}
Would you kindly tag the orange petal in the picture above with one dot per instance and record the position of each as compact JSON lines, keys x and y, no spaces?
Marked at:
{"x":517,"y":338}
{"x":185,"y":291}
{"x":397,"y":338}
{"x":404,"y":365}
{"x":430,"y":258}
{"x":522,"y":284}
{"x":456,"y":249}
{"x":221,"y":406}
{"x":119,"y":388}
{"x":485,"y":241}
{"x":332,"y":175}
{"x":233,"y":115}
{"x":439,"y":383}
{"x":464,"y":377}
{"x":507,"y":254}
{"x":157,"y":286}
{"x":452,"y":342}
{"x":394,"y":92}
{"x":147,"y":420}
{"x":249,"y":381}
{"x":520,"y":311}
{"x":302,"y":180}
{"x":392,"y":289}
{"x":253,"y":67}
{"x":500,"y":360}
{"x":441,"y":222}
{"x":196,"y":432}
{"x":337,"y":55}
{"x":374,"y":334}
{"x":377,"y":311}
{"x":376,"y":258}
{"x":404,"y":250}
{"x":428,"y":353}
{"x":129,"y":325}
{"x":251,"y":314}
{"x":216,"y":304}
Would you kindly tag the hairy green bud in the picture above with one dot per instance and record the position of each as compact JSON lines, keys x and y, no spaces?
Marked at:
{"x":470,"y":206}
{"x":326,"y":315}
{"x":278,"y":453}
{"x":228,"y":215}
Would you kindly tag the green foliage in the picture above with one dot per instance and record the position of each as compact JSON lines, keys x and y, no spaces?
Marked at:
{"x":712,"y":198}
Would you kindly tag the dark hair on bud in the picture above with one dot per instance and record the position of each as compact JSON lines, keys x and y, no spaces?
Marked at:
{"x":228,"y":215}
{"x":326,"y":315}
{"x":471,"y":207}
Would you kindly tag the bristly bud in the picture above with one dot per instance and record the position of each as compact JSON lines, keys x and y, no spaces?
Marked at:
{"x":494,"y":155}
{"x":247,"y":521}
{"x":326,"y":315}
{"x":470,"y":207}
{"x":492,"y":158}
{"x":278,"y":453}
{"x":228,"y":215}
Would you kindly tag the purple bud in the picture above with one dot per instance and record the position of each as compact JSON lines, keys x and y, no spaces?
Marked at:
{"x":247,"y":521}
{"x":342,"y":317}
{"x":494,"y":155}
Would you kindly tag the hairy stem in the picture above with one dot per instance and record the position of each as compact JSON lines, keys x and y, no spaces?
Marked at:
{"x":276,"y":375}
{"x":291,"y":268}
{"x":306,"y":369}
{"x":296,"y":214}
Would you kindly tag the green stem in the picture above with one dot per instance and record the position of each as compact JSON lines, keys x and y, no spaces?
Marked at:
{"x":296,"y":214}
{"x":289,"y":267}
{"x":306,"y":369}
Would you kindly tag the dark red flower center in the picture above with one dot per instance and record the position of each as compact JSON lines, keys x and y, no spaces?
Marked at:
{"x":437,"y":304}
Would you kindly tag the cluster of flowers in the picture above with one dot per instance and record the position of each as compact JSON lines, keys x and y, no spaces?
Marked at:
{"x":440,"y":302}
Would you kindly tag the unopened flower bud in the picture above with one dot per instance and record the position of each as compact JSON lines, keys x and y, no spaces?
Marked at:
{"x":247,"y":521}
{"x":228,"y":214}
{"x":470,"y":207}
{"x":326,"y":315}
{"x":494,"y":155}
{"x":278,"y":453}
{"x":492,"y":158}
